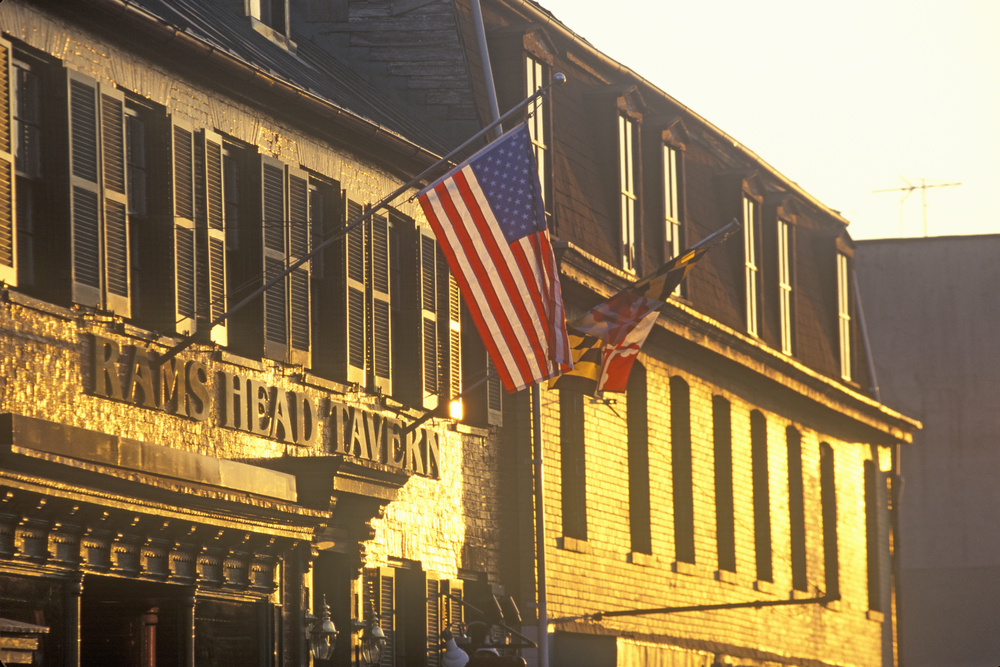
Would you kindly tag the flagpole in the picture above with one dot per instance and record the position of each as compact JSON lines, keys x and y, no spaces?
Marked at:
{"x":557,"y":79}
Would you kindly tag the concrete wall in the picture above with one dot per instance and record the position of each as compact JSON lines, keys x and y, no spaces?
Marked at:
{"x":933,"y":314}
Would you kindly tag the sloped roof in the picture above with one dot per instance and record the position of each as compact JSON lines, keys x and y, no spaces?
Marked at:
{"x":221,"y":25}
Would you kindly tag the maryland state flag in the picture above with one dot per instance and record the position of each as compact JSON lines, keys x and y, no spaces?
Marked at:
{"x":605,"y":342}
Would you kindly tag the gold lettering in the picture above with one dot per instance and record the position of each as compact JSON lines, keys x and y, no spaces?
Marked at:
{"x":234,"y":406}
{"x":306,"y":431}
{"x":104,"y":371}
{"x":414,"y":457}
{"x":258,"y":413}
{"x":281,"y":422}
{"x":141,"y":378}
{"x":172,"y":386}
{"x":197,"y":380}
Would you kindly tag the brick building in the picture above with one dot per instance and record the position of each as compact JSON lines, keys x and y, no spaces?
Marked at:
{"x":158,"y":159}
{"x":937,"y":304}
{"x":748,"y":460}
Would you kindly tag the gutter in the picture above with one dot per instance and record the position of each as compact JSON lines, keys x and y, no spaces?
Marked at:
{"x":231,"y":65}
{"x":543,"y":17}
{"x":682,"y":319}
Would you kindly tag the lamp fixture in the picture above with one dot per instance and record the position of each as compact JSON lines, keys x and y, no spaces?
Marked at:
{"x":372,"y":638}
{"x":322,"y":634}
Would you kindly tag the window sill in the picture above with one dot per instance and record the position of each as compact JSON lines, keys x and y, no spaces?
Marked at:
{"x":876,"y":616}
{"x":574,"y":545}
{"x":727,"y":576}
{"x":764,"y":586}
{"x":273,"y":35}
{"x":802,"y":595}
{"x":237,"y":360}
{"x":680,"y":567}
{"x":645,"y":560}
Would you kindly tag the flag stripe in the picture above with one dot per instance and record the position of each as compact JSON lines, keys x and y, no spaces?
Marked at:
{"x":483,"y":292}
{"x":510,"y":274}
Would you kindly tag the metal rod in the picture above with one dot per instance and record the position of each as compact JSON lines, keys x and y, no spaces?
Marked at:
{"x":543,"y":605}
{"x":434,"y":413}
{"x":186,"y":342}
{"x":754,"y":604}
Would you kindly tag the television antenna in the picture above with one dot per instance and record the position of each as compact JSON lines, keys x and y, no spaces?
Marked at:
{"x":908,"y":190}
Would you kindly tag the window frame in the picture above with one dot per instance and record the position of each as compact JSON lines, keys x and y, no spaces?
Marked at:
{"x":786,"y":281}
{"x":752,"y":298}
{"x":844,"y":319}
{"x":629,"y":177}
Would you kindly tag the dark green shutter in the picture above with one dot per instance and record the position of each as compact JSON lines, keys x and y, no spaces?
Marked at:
{"x":427,"y":263}
{"x":381,"y":325}
{"x":184,"y":241}
{"x":84,"y":190}
{"x":213,"y":231}
{"x":116,"y":231}
{"x":8,"y":229}
{"x":355,"y":329}
{"x":380,"y":588}
{"x":449,"y":331}
{"x":273,"y":224}
{"x":299,"y":245}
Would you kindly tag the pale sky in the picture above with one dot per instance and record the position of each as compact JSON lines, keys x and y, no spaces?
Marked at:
{"x":841,"y":97}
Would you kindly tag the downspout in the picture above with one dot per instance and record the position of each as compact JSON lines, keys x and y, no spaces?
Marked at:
{"x":895,"y":491}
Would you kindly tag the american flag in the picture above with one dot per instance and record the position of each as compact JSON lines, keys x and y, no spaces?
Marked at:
{"x":489,"y":219}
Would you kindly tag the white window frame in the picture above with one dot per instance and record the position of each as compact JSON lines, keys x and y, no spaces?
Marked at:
{"x":627,"y":134}
{"x":751,"y":220}
{"x":844,"y":314}
{"x":536,"y":76}
{"x":785,"y":285}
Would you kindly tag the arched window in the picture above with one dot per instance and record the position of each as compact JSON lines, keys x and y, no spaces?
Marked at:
{"x":638,"y":461}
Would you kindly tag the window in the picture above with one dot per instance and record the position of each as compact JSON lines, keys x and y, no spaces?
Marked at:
{"x":574,"y":465}
{"x":796,"y":509}
{"x":671,"y":202}
{"x":785,"y":285}
{"x":538,"y":125}
{"x":844,"y":314}
{"x":637,"y":419}
{"x":272,"y":13}
{"x":98,"y":201}
{"x":872,"y":536}
{"x":627,"y":143}
{"x":725,"y":511}
{"x":751,"y":244}
{"x":683,"y":482}
{"x":828,"y":500}
{"x":761,"y":495}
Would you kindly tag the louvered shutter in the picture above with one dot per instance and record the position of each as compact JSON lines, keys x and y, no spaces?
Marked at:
{"x":380,"y":587}
{"x":355,"y":329}
{"x":84,"y":190}
{"x":494,"y":396}
{"x":273,"y":216}
{"x":449,"y":331}
{"x":381,"y":325}
{"x":182,"y":159}
{"x":213,"y":231}
{"x":453,"y":615}
{"x":427,"y":269}
{"x":432,"y":621}
{"x":300,"y":280}
{"x":116,"y":232}
{"x":8,"y":230}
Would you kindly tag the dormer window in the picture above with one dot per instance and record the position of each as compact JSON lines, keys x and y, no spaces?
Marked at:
{"x":270,"y":18}
{"x":627,"y":136}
